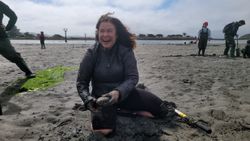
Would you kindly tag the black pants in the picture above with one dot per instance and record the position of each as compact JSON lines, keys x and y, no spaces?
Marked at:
{"x":138,"y":100}
{"x":202,"y":45}
{"x":9,"y":52}
{"x":42,"y":44}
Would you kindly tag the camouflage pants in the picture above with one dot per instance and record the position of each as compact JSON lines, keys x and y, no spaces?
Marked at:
{"x":9,"y":52}
{"x":230,"y":44}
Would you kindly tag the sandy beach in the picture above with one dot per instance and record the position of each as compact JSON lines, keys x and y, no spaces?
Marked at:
{"x":213,"y":88}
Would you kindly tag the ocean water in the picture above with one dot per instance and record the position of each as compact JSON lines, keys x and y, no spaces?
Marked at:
{"x":139,"y":42}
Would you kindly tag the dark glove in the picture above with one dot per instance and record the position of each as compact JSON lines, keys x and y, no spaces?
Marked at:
{"x":79,"y":107}
{"x":90,"y":104}
{"x":168,"y":109}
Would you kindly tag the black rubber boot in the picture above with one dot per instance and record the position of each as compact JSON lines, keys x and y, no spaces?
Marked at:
{"x":30,"y":75}
{"x":168,"y":110}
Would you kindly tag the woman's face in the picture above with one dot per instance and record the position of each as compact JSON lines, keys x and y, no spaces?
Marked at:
{"x":107,"y":34}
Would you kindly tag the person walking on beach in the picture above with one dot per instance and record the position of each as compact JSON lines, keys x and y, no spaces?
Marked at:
{"x":246,"y":51}
{"x":203,"y":35}
{"x":230,"y":30}
{"x":6,"y":49}
{"x":42,"y":40}
{"x":111,"y":67}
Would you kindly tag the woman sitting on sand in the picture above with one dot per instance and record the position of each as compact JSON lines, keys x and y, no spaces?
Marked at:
{"x":111,"y":67}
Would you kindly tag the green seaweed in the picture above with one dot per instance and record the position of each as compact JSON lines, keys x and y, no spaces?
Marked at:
{"x":46,"y":78}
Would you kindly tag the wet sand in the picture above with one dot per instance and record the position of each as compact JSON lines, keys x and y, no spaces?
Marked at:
{"x":213,"y":88}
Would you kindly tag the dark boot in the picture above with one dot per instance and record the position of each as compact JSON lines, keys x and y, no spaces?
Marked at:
{"x":23,"y":66}
{"x":30,"y":75}
{"x":203,"y":52}
{"x":168,"y":110}
{"x":199,"y":52}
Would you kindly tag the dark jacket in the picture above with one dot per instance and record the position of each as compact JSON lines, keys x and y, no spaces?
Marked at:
{"x":5,"y":10}
{"x":42,"y":37}
{"x":231,"y":29}
{"x":107,"y":69}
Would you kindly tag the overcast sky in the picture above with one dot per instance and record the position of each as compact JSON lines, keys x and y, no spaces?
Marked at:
{"x":140,"y":16}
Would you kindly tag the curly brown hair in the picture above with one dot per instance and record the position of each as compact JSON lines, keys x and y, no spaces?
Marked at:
{"x":124,"y":37}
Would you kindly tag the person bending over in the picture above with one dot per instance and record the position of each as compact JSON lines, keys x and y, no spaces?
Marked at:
{"x":230,"y":30}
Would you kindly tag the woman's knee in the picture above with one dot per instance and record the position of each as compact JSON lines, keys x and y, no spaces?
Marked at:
{"x":104,"y":132}
{"x":145,"y":114}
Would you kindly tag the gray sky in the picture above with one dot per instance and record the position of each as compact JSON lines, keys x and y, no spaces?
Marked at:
{"x":140,"y":16}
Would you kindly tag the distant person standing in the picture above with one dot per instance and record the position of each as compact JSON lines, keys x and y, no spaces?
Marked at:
{"x":6,"y":49}
{"x":230,"y":30}
{"x":42,"y":40}
{"x":203,"y":35}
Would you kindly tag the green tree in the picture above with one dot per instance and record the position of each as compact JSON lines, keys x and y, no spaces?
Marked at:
{"x":14,"y":32}
{"x":28,"y":35}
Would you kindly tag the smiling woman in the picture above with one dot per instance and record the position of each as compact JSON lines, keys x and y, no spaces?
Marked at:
{"x":107,"y":34}
{"x":111,"y":67}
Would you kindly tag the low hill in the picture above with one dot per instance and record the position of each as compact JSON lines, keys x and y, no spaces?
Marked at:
{"x":245,"y":37}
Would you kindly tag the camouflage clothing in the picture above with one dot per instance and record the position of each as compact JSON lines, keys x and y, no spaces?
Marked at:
{"x":230,"y":30}
{"x":230,"y":44}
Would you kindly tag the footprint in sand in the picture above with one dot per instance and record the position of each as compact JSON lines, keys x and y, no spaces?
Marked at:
{"x":10,"y":109}
{"x":218,"y":114}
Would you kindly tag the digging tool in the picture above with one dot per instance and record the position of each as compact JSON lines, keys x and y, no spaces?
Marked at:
{"x":237,"y":47}
{"x":194,"y":123}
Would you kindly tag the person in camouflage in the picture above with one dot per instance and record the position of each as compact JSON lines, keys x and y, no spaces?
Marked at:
{"x":230,"y":30}
{"x":6,"y":49}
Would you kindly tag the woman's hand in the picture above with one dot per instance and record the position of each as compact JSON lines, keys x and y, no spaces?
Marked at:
{"x":113,"y":98}
{"x":2,"y":27}
{"x":90,"y":104}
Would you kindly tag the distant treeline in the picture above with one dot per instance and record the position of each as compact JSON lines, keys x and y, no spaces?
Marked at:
{"x":16,"y":34}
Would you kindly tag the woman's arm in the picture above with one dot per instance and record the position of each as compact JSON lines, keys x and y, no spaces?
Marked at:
{"x":85,"y":75}
{"x":131,"y":75}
